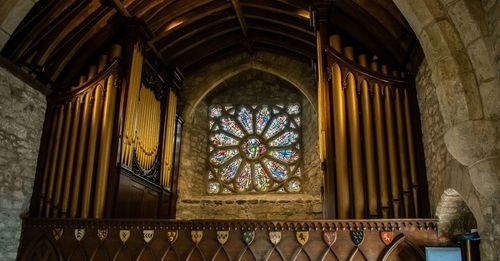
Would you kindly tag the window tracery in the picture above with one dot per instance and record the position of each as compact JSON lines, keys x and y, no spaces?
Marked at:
{"x":254,"y":149}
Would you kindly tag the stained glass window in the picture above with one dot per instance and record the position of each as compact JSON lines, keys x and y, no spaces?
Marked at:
{"x":254,"y":149}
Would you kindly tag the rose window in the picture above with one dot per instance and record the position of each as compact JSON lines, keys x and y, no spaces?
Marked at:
{"x":254,"y":148}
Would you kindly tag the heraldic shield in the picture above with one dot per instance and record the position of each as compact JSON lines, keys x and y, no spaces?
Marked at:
{"x":57,"y":233}
{"x":330,"y":237}
{"x":222,"y":236}
{"x":387,"y":237}
{"x":357,"y":237}
{"x":196,"y":236}
{"x":172,"y":236}
{"x":248,"y":237}
{"x":79,"y":234}
{"x":148,"y":235}
{"x":302,"y":237}
{"x":275,"y":237}
{"x":102,"y":234}
{"x":124,"y":235}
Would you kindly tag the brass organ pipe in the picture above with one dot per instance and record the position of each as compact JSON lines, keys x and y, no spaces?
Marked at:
{"x":411,"y":152}
{"x":105,"y":146}
{"x":402,"y":148}
{"x":48,"y":159}
{"x":54,"y":161}
{"x":366,"y":109}
{"x":71,"y":158}
{"x":335,"y":42}
{"x":82,"y":145}
{"x":149,"y":133}
{"x":116,"y":51}
{"x":91,"y":150}
{"x":132,"y":102}
{"x":392,"y":149}
{"x":381,"y":148}
{"x":92,"y":72}
{"x":103,"y":61}
{"x":62,"y":161}
{"x":339,"y":118}
{"x":83,"y":79}
{"x":321,"y":93}
{"x":355,"y":141}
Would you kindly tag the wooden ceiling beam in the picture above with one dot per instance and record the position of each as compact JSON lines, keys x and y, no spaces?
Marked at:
{"x":241,"y":18}
{"x":276,"y":7}
{"x":175,"y":10}
{"x":277,"y":18}
{"x":220,"y":43}
{"x":278,"y":29}
{"x":191,"y":17}
{"x":190,"y":31}
{"x":188,"y":45}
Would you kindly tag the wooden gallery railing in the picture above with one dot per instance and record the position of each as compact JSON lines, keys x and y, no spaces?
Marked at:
{"x":367,"y":137}
{"x":120,"y":105}
{"x":66,"y":239}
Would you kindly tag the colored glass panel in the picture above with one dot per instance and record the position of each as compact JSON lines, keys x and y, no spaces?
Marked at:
{"x":244,"y":181}
{"x":253,"y":148}
{"x":262,"y":118}
{"x":229,"y":171}
{"x":246,"y":119}
{"x":285,"y":139}
{"x":256,"y":149}
{"x":262,"y":179}
{"x":231,"y":127}
{"x":277,"y":170}
{"x":223,"y":155}
{"x":287,"y":155}
{"x":221,"y":139}
{"x":277,"y":124}
{"x":215,"y":111}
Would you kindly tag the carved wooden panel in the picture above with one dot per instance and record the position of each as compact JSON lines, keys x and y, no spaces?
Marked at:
{"x":70,"y":239}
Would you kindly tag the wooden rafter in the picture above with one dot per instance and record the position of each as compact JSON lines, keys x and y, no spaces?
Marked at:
{"x":241,"y":18}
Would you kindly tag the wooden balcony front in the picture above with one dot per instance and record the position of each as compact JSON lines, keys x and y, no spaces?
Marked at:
{"x":114,"y":239}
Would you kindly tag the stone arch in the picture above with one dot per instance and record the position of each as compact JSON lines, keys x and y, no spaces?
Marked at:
{"x":457,"y":39}
{"x":205,"y":79}
{"x":12,"y":12}
{"x":454,"y":215}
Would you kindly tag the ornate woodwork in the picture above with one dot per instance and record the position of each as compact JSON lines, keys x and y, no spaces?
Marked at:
{"x":62,"y":239}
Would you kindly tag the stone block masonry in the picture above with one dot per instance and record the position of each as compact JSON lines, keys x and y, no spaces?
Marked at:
{"x":22,"y":111}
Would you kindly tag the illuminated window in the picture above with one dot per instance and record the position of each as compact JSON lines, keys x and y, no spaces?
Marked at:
{"x":254,"y":149}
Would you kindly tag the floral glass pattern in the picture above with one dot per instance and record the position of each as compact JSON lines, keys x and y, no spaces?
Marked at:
{"x":254,"y":149}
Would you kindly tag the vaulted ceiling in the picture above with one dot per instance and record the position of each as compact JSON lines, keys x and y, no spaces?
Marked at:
{"x":58,"y":36}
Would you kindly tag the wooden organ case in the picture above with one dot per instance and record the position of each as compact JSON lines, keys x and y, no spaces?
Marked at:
{"x":110,"y":144}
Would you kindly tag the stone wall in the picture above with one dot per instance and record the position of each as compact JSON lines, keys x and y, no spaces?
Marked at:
{"x":22,"y":111}
{"x":249,"y":87}
{"x":12,"y":13}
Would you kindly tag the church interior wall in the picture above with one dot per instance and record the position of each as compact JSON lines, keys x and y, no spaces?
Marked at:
{"x":22,"y":110}
{"x":248,"y":87}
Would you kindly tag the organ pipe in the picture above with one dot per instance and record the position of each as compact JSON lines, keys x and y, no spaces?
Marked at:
{"x":71,"y":158}
{"x":62,"y":160}
{"x":132,"y":101}
{"x":411,"y":152}
{"x":54,"y":161}
{"x":369,"y":144}
{"x":82,"y":142}
{"x":169,"y":140}
{"x":48,"y":159}
{"x":105,"y":146}
{"x":355,"y":141}
{"x":91,"y":150}
{"x":403,"y":157}
{"x":392,"y":150}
